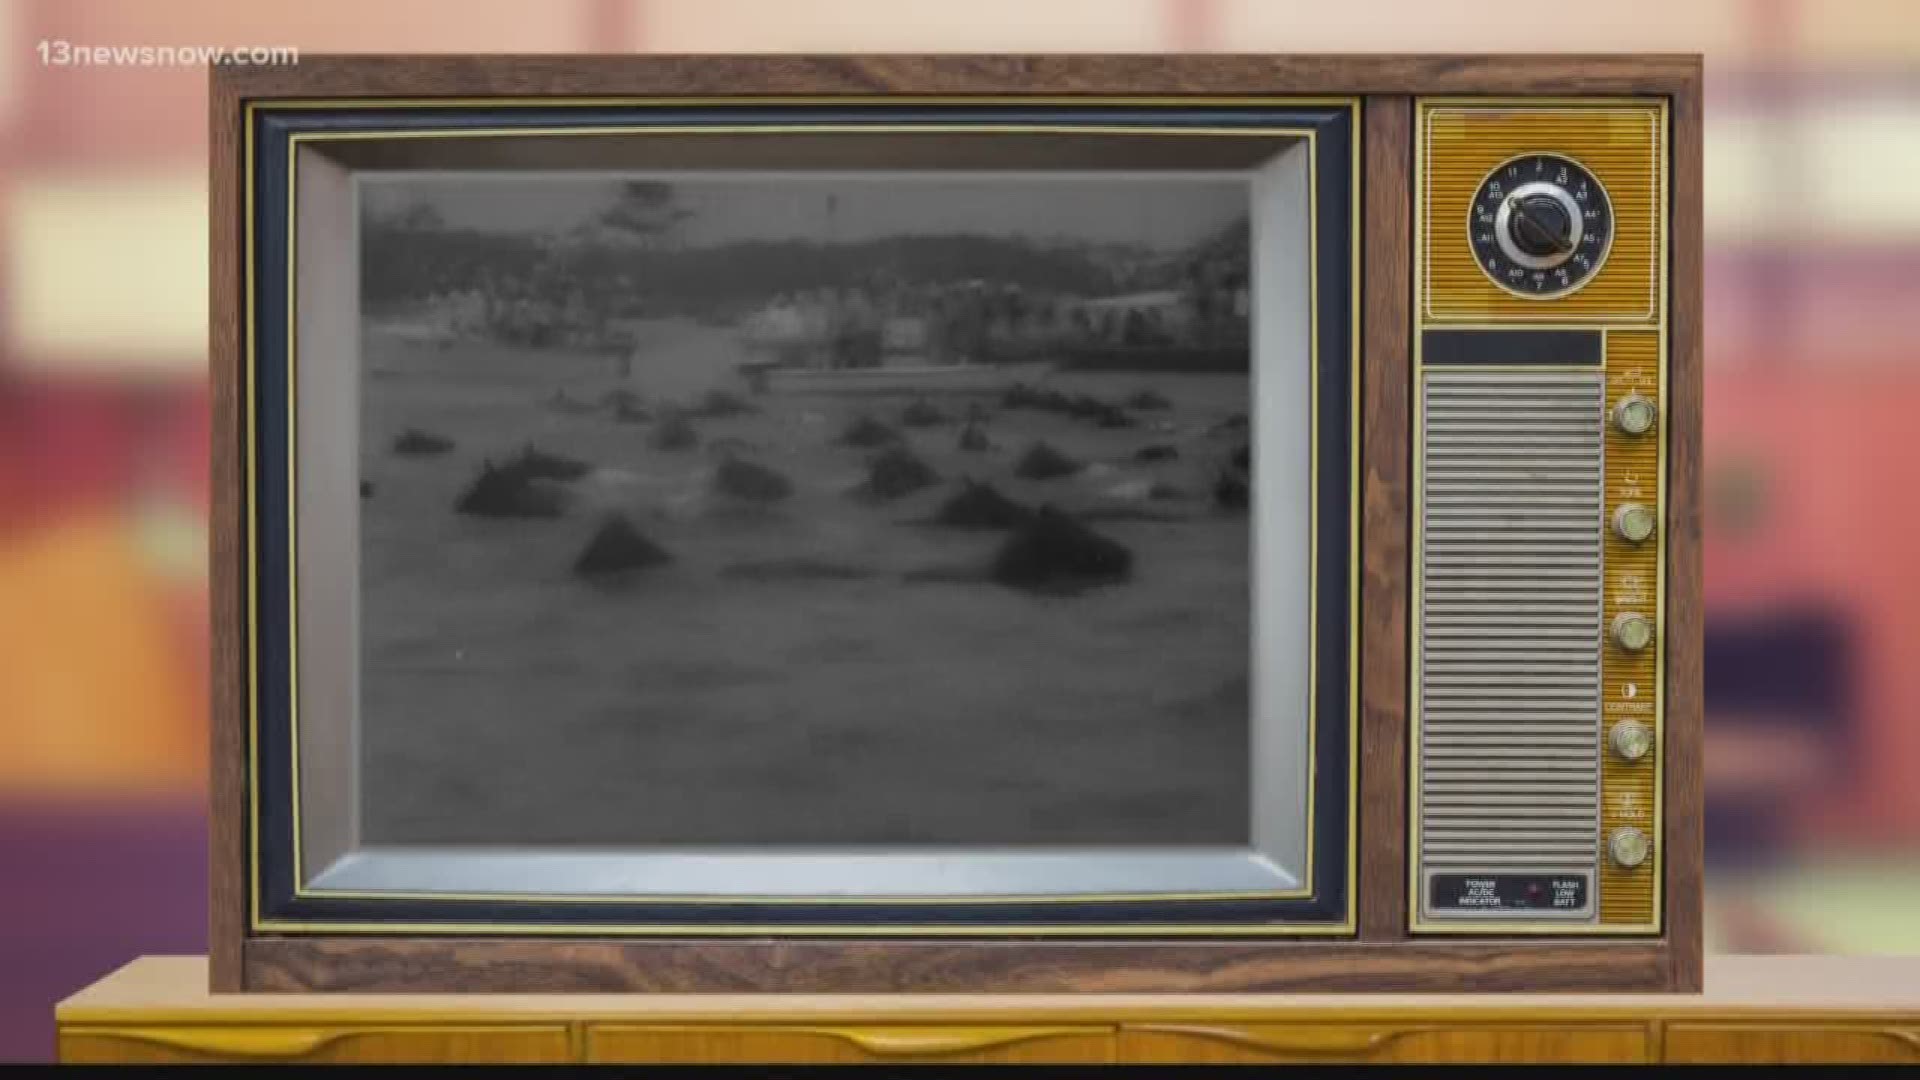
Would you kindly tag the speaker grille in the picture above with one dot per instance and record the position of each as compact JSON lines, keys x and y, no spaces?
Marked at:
{"x":1510,"y":621}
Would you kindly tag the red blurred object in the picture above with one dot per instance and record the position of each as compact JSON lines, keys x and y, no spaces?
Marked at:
{"x":1809,"y":505}
{"x":62,"y":443}
{"x":67,"y":445}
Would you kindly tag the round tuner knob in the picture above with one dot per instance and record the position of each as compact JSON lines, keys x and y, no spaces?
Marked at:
{"x":1634,"y":415}
{"x":1630,"y":739}
{"x":1633,"y":522}
{"x":1631,"y":631}
{"x":1628,"y":847}
{"x":1540,"y":226}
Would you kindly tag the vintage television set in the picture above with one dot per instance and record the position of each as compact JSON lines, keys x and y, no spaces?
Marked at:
{"x":976,"y":524}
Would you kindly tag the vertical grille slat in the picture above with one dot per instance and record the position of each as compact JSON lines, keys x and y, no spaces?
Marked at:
{"x":1512,"y":508}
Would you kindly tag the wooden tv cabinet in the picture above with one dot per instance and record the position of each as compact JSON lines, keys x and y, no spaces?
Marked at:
{"x":1754,"y":1009}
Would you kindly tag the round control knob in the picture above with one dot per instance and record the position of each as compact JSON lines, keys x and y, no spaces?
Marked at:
{"x":1540,"y":226}
{"x":1630,"y":739}
{"x":1634,"y":415}
{"x":1628,"y":847}
{"x":1633,"y":522}
{"x":1631,"y":631}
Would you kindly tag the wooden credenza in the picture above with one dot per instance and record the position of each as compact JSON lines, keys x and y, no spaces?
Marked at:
{"x":1759,"y":1009}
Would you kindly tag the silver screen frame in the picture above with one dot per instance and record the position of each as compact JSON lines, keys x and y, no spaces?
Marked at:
{"x":331,"y":861}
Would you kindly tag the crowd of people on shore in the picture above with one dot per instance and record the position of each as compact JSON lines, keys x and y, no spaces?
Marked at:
{"x":968,"y":321}
{"x":533,"y":311}
{"x":975,"y":321}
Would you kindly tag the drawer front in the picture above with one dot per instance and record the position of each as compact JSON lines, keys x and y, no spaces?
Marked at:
{"x":1440,"y":1042}
{"x":893,"y":1044}
{"x":316,"y":1045}
{"x":1787,"y":1043}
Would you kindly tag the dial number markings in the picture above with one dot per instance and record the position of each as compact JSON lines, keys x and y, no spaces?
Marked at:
{"x":1540,"y":225}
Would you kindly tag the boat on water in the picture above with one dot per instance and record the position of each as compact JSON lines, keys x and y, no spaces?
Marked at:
{"x":910,"y":377}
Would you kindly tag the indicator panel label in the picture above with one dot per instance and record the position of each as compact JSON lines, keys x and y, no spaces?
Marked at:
{"x":1508,"y":892}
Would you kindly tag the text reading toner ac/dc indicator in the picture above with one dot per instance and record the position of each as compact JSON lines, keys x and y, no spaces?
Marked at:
{"x":1541,"y":225}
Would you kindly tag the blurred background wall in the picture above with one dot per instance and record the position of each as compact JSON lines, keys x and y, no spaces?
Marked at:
{"x":1813,"y":386}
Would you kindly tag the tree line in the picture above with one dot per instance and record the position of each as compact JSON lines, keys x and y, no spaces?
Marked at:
{"x":402,"y":265}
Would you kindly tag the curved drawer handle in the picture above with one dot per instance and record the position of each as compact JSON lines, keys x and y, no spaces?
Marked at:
{"x":1910,"y":1039}
{"x":1305,"y":1039}
{"x":911,"y":1041}
{"x":237,"y":1041}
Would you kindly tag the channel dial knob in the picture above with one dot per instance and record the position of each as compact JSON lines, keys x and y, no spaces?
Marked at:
{"x":1630,"y":739}
{"x":1631,"y":631}
{"x":1634,"y":415}
{"x":1628,"y":847}
{"x":1541,"y":225}
{"x":1634,"y":522}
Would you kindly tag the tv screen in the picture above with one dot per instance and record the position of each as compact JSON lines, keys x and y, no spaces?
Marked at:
{"x":840,"y":509}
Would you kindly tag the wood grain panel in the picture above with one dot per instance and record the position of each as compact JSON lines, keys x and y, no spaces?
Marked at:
{"x":1624,"y":147}
{"x":726,"y":76}
{"x":848,"y":1044}
{"x":1382,"y":1042}
{"x":1685,"y":794}
{"x":275,"y":1044}
{"x":411,"y":965}
{"x":1787,"y":1044}
{"x":227,"y":543}
{"x":1385,"y":433}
